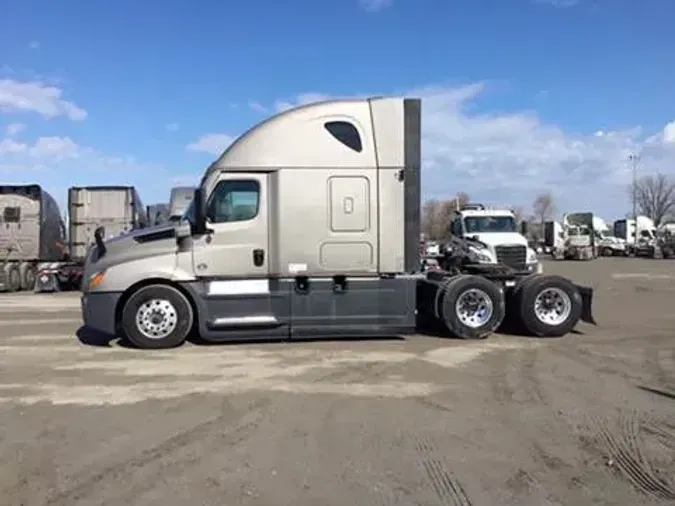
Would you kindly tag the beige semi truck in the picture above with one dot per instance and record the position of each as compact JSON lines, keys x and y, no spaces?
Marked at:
{"x":308,"y":226}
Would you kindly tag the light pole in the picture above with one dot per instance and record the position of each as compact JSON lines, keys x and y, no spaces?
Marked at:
{"x":634,"y":161}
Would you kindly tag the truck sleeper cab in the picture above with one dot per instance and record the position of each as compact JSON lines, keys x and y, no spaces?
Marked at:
{"x":307,"y":226}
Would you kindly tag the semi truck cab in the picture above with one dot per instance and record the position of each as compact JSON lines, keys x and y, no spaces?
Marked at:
{"x":307,"y":226}
{"x":494,"y":238}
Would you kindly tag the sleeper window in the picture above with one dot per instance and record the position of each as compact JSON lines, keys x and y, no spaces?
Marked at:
{"x":346,"y":133}
{"x":234,"y":200}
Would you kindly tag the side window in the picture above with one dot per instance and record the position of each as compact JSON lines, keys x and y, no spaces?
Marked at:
{"x":234,"y":200}
{"x":456,"y":227}
{"x":346,"y":133}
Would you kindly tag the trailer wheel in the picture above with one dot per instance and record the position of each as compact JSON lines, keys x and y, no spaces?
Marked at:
{"x":549,"y":306}
{"x":157,"y":317}
{"x":13,"y":279}
{"x":471,"y":307}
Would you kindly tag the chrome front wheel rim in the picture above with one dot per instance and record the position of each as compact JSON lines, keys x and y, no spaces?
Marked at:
{"x":156,"y":318}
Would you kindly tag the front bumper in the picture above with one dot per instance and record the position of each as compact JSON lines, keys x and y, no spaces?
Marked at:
{"x":98,"y":311}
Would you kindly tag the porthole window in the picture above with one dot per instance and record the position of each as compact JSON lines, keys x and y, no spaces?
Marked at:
{"x":346,"y":133}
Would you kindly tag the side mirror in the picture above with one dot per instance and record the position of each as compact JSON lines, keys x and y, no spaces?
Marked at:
{"x":99,"y":233}
{"x":183,"y":230}
{"x":523,"y":228}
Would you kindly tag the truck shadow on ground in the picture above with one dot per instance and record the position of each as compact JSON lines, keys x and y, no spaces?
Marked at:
{"x":96,"y":339}
{"x":90,"y":337}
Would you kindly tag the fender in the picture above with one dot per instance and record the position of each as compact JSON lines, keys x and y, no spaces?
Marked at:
{"x":586,"y":304}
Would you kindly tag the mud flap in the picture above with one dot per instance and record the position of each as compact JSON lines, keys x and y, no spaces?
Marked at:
{"x":586,"y":304}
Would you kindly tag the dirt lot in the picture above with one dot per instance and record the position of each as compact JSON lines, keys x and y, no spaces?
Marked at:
{"x":423,"y":421}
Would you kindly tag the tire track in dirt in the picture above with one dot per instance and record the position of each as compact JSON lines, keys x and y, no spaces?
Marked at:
{"x":654,"y":365}
{"x":447,"y":487}
{"x":515,"y":385}
{"x":663,"y":433}
{"x":514,"y":378}
{"x":625,"y":448}
{"x":233,"y":432}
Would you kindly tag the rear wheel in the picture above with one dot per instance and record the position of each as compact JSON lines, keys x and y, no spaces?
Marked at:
{"x":13,"y":278}
{"x":28,"y":278}
{"x":471,"y":307}
{"x":548,"y":306}
{"x":156,"y":317}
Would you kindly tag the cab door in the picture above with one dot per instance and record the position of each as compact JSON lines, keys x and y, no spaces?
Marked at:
{"x":232,"y":261}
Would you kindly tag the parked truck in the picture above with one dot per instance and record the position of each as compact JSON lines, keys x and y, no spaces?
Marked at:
{"x":308,"y":226}
{"x":179,"y":201}
{"x":640,"y":235}
{"x":31,"y":231}
{"x":491,"y":236}
{"x":118,"y":209}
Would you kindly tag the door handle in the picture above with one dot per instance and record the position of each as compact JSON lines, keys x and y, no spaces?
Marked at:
{"x":258,"y":257}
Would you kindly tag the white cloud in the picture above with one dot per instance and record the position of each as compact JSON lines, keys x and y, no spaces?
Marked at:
{"x":172,"y":127}
{"x":14,"y":128}
{"x":258,"y":107}
{"x":213,"y":144}
{"x":669,"y":133}
{"x":11,"y":147}
{"x":375,"y":5}
{"x":37,"y":97}
{"x":57,"y":148}
{"x":508,"y":158}
{"x":34,"y":44}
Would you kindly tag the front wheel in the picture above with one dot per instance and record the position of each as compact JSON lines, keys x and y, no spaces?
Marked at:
{"x":157,"y":317}
{"x":548,"y":306}
{"x":471,"y":307}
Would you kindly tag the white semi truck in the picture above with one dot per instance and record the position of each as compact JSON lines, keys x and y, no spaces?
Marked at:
{"x":640,"y":235}
{"x":308,"y":226}
{"x":492,"y":237}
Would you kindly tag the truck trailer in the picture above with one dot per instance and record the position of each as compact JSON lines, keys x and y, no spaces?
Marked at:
{"x":118,"y":209}
{"x":308,"y":226}
{"x":31,"y":231}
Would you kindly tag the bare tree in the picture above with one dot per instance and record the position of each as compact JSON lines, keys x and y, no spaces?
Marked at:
{"x":518,"y":213}
{"x":543,"y":208}
{"x":437,"y":215}
{"x":461,"y":200}
{"x":430,"y":216}
{"x":655,"y":196}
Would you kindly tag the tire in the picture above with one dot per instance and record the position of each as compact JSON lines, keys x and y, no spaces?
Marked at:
{"x":13,"y":278}
{"x":607,"y":252}
{"x":528,"y":297}
{"x":28,"y":278}
{"x":456,"y":306}
{"x":170,"y":305}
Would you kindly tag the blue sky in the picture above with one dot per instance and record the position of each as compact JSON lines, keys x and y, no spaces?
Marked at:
{"x":519,"y":95}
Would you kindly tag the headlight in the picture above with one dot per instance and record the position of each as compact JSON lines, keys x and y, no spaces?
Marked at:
{"x":480,"y":256}
{"x":531,"y":256}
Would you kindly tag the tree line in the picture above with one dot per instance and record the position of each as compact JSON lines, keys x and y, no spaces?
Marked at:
{"x":654,"y":197}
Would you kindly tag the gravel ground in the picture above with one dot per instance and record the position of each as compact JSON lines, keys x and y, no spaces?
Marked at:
{"x":422,"y":421}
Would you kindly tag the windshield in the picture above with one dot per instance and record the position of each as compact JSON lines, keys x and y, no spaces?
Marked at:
{"x":483,"y":224}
